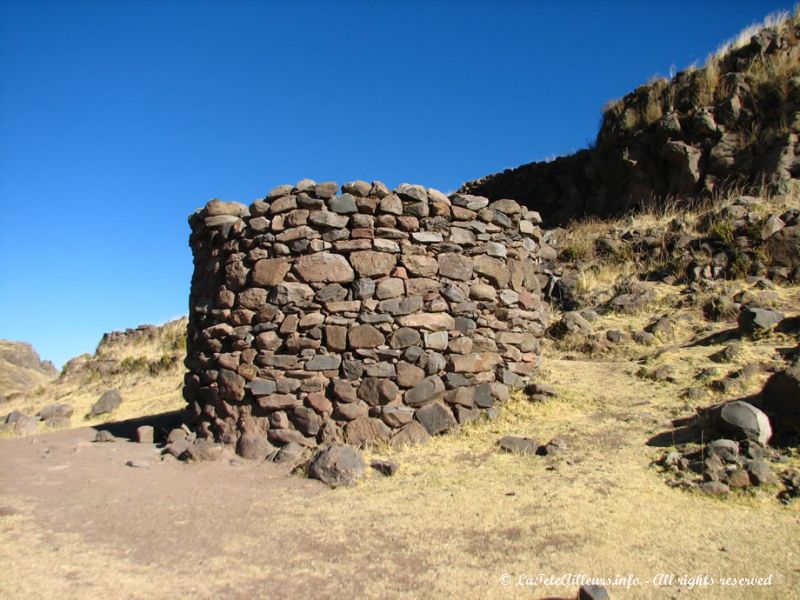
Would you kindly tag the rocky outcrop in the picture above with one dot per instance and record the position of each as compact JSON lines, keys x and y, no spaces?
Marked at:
{"x":148,"y":350}
{"x":737,"y":120}
{"x":363,"y":315}
{"x":21,"y":368}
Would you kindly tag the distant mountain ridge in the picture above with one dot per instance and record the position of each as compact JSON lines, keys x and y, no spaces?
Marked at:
{"x":735,"y":121}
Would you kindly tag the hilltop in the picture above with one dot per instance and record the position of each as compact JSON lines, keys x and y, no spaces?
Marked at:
{"x":733,"y":122}
{"x":21,"y":368}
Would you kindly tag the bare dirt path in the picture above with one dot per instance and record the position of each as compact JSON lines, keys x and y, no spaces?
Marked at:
{"x":76,"y":522}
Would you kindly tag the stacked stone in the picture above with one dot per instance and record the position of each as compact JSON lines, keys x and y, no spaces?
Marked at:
{"x":365,"y":315}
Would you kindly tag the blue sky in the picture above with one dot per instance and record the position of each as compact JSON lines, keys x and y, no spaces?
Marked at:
{"x":118,"y":119}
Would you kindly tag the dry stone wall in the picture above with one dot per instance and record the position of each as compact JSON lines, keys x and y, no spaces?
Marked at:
{"x":322,"y":315}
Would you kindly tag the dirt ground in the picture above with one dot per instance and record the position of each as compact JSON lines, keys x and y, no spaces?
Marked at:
{"x":458,"y":519}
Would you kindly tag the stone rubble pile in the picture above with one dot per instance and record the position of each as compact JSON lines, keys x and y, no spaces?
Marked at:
{"x":320,"y":315}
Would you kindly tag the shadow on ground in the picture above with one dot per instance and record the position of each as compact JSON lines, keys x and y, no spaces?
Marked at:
{"x":162,"y":423}
{"x":697,"y":428}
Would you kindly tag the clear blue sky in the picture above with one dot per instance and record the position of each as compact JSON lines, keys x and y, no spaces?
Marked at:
{"x":118,"y":119}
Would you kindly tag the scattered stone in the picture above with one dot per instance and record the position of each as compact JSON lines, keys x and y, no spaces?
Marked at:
{"x":714,"y":488}
{"x":177,"y":434}
{"x":104,"y":436}
{"x":645,"y":338}
{"x":573,"y":322}
{"x":337,"y":465}
{"x":410,"y":435}
{"x":753,"y":321}
{"x":661,"y":328}
{"x":290,"y":453}
{"x":761,"y":473}
{"x":519,"y":445}
{"x":727,"y":450}
{"x":783,"y":248}
{"x":178,"y":448}
{"x":593,"y":592}
{"x":385,"y":467}
{"x":202,"y":450}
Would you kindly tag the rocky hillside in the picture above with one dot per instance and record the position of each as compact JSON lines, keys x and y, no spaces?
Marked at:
{"x":734,"y":121}
{"x":21,"y":369}
{"x":132,"y":373}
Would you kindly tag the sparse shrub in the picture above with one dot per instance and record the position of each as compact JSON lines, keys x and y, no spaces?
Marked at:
{"x":133,"y":364}
{"x":165,"y":363}
{"x":722,"y":231}
{"x":579,"y":249}
{"x":720,"y":308}
{"x":178,"y":342}
{"x":740,"y":265}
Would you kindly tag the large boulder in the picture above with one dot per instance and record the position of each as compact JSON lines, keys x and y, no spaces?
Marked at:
{"x":337,"y":465}
{"x":784,"y":248}
{"x":26,"y":425}
{"x":55,"y":411}
{"x":753,"y":321}
{"x":107,"y":403}
{"x":781,"y":396}
{"x":742,"y":420}
{"x":574,"y":322}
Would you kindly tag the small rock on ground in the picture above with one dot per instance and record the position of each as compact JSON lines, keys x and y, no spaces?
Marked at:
{"x":337,"y":465}
{"x":519,"y":445}
{"x":385,"y":467}
{"x":104,"y":436}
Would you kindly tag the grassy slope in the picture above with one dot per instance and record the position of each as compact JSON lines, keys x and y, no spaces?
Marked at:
{"x":147,"y":372}
{"x":19,"y":369}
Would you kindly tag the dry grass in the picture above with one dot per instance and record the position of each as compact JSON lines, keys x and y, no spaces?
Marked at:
{"x":768,"y":76}
{"x":484,"y":513}
{"x":776,"y":19}
{"x":659,"y":218}
{"x":459,"y":514}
